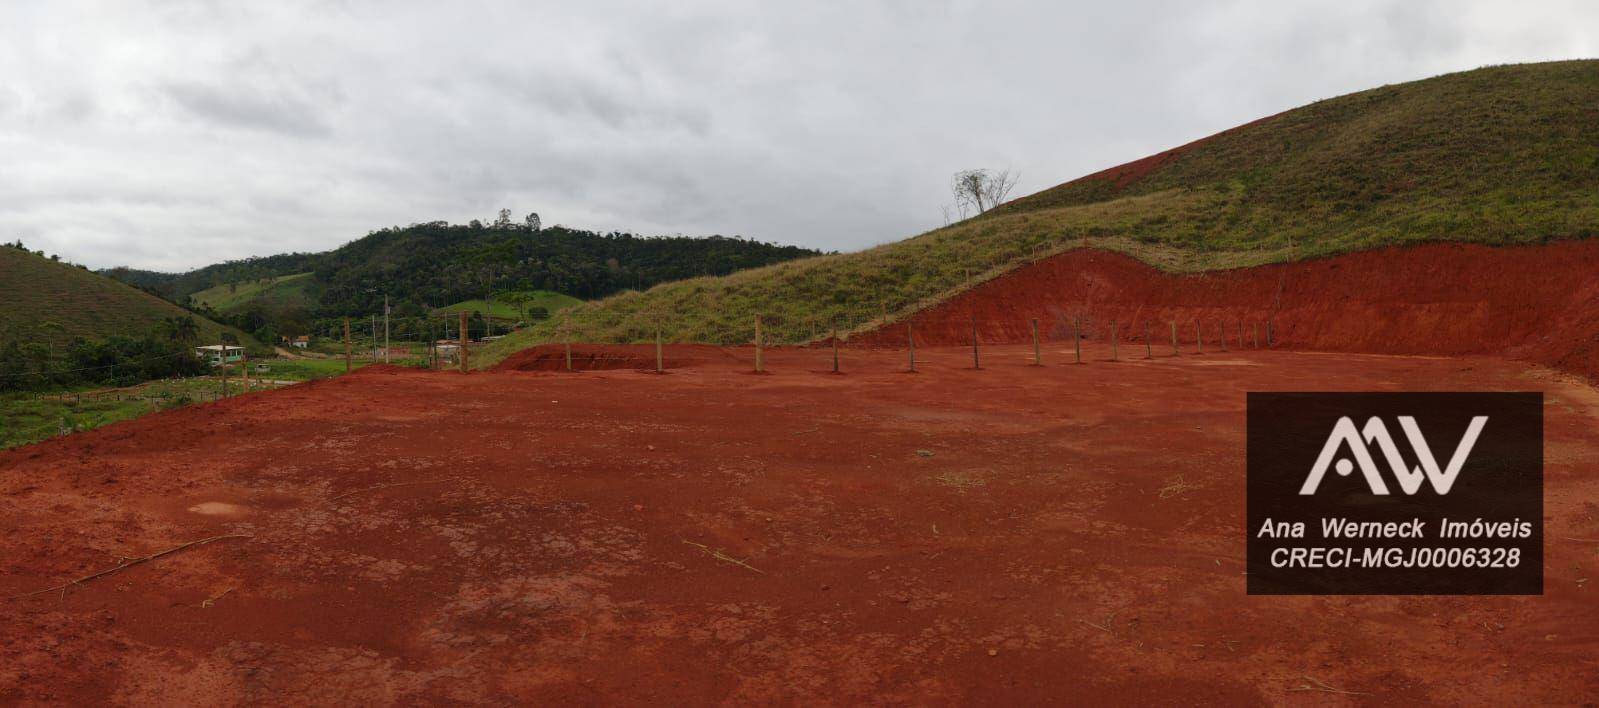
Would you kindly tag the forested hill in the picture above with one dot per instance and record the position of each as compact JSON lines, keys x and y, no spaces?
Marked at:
{"x":178,"y":286}
{"x":436,"y":264}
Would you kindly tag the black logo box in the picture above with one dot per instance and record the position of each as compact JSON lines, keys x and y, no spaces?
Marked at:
{"x":1501,"y":480}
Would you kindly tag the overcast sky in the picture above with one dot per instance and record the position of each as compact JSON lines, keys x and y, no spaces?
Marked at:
{"x":171,"y":134}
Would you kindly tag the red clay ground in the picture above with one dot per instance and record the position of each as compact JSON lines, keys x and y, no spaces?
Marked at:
{"x":952,"y":536}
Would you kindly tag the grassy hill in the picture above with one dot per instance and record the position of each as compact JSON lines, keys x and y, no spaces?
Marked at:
{"x":79,"y":303}
{"x":1498,"y":155}
{"x":272,"y":293}
{"x":552,"y":302}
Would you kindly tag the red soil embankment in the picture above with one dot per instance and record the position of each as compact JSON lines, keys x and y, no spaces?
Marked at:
{"x":1536,"y":303}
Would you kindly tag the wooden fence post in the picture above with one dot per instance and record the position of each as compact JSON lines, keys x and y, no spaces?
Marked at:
{"x":1254,"y":334}
{"x":660,"y":365}
{"x":1149,"y":349}
{"x":1038,"y":358}
{"x":1199,"y":337}
{"x":910,"y":338}
{"x":1077,"y":338}
{"x":976,"y":363}
{"x":835,"y":349}
{"x":1222,"y":325}
{"x":1114,"y":335}
{"x":1174,"y":350}
{"x":760,"y":363}
{"x":566,"y":332}
{"x":346,"y":345}
{"x":463,"y":341}
{"x":244,"y":365}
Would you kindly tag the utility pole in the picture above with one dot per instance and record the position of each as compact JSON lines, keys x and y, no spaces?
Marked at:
{"x":346,"y":345}
{"x":463,"y":341}
{"x":224,"y":367}
{"x":385,"y":329}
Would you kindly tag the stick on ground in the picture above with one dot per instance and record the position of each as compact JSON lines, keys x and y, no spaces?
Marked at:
{"x":125,"y":564}
{"x":397,"y":484}
{"x":719,"y":555}
{"x":1317,"y":685}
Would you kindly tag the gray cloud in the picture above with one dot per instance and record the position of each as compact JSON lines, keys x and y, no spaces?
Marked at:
{"x":172,"y":134}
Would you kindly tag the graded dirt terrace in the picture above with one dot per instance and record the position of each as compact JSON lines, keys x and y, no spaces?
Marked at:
{"x":1008,"y":536}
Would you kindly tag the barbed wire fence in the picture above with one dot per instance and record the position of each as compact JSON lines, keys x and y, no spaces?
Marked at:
{"x":859,"y":329}
{"x":588,"y":339}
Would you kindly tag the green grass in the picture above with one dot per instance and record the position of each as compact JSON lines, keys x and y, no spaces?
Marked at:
{"x":28,"y":418}
{"x":289,"y":291}
{"x":54,"y":302}
{"x":552,"y":302}
{"x":1500,"y":155}
{"x":25,"y":419}
{"x":306,"y":369}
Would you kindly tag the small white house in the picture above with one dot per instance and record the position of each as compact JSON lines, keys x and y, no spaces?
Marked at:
{"x":216,"y":354}
{"x":302,"y":341}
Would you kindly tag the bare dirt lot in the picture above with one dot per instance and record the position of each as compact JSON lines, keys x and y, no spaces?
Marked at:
{"x":1005,"y":536}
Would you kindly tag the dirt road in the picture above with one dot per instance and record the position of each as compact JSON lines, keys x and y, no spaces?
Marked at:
{"x":1006,"y":536}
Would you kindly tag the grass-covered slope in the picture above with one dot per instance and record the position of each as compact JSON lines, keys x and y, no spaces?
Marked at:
{"x":505,"y":308}
{"x":1498,"y":155}
{"x":45,"y":299}
{"x":275,"y":294}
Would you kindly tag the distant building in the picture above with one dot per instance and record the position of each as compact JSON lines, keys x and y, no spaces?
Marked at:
{"x":302,"y":341}
{"x":216,"y":354}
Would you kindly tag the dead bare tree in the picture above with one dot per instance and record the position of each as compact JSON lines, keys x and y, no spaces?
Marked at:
{"x":981,"y":190}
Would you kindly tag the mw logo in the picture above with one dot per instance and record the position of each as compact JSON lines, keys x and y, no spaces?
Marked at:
{"x":1344,"y":434}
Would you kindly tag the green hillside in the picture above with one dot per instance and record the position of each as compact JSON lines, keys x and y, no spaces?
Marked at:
{"x":416,"y":268}
{"x":551,"y":302}
{"x":272,"y":293}
{"x":57,"y":302}
{"x":1498,"y":155}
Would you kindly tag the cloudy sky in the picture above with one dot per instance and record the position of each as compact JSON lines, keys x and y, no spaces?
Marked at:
{"x":172,"y":134}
